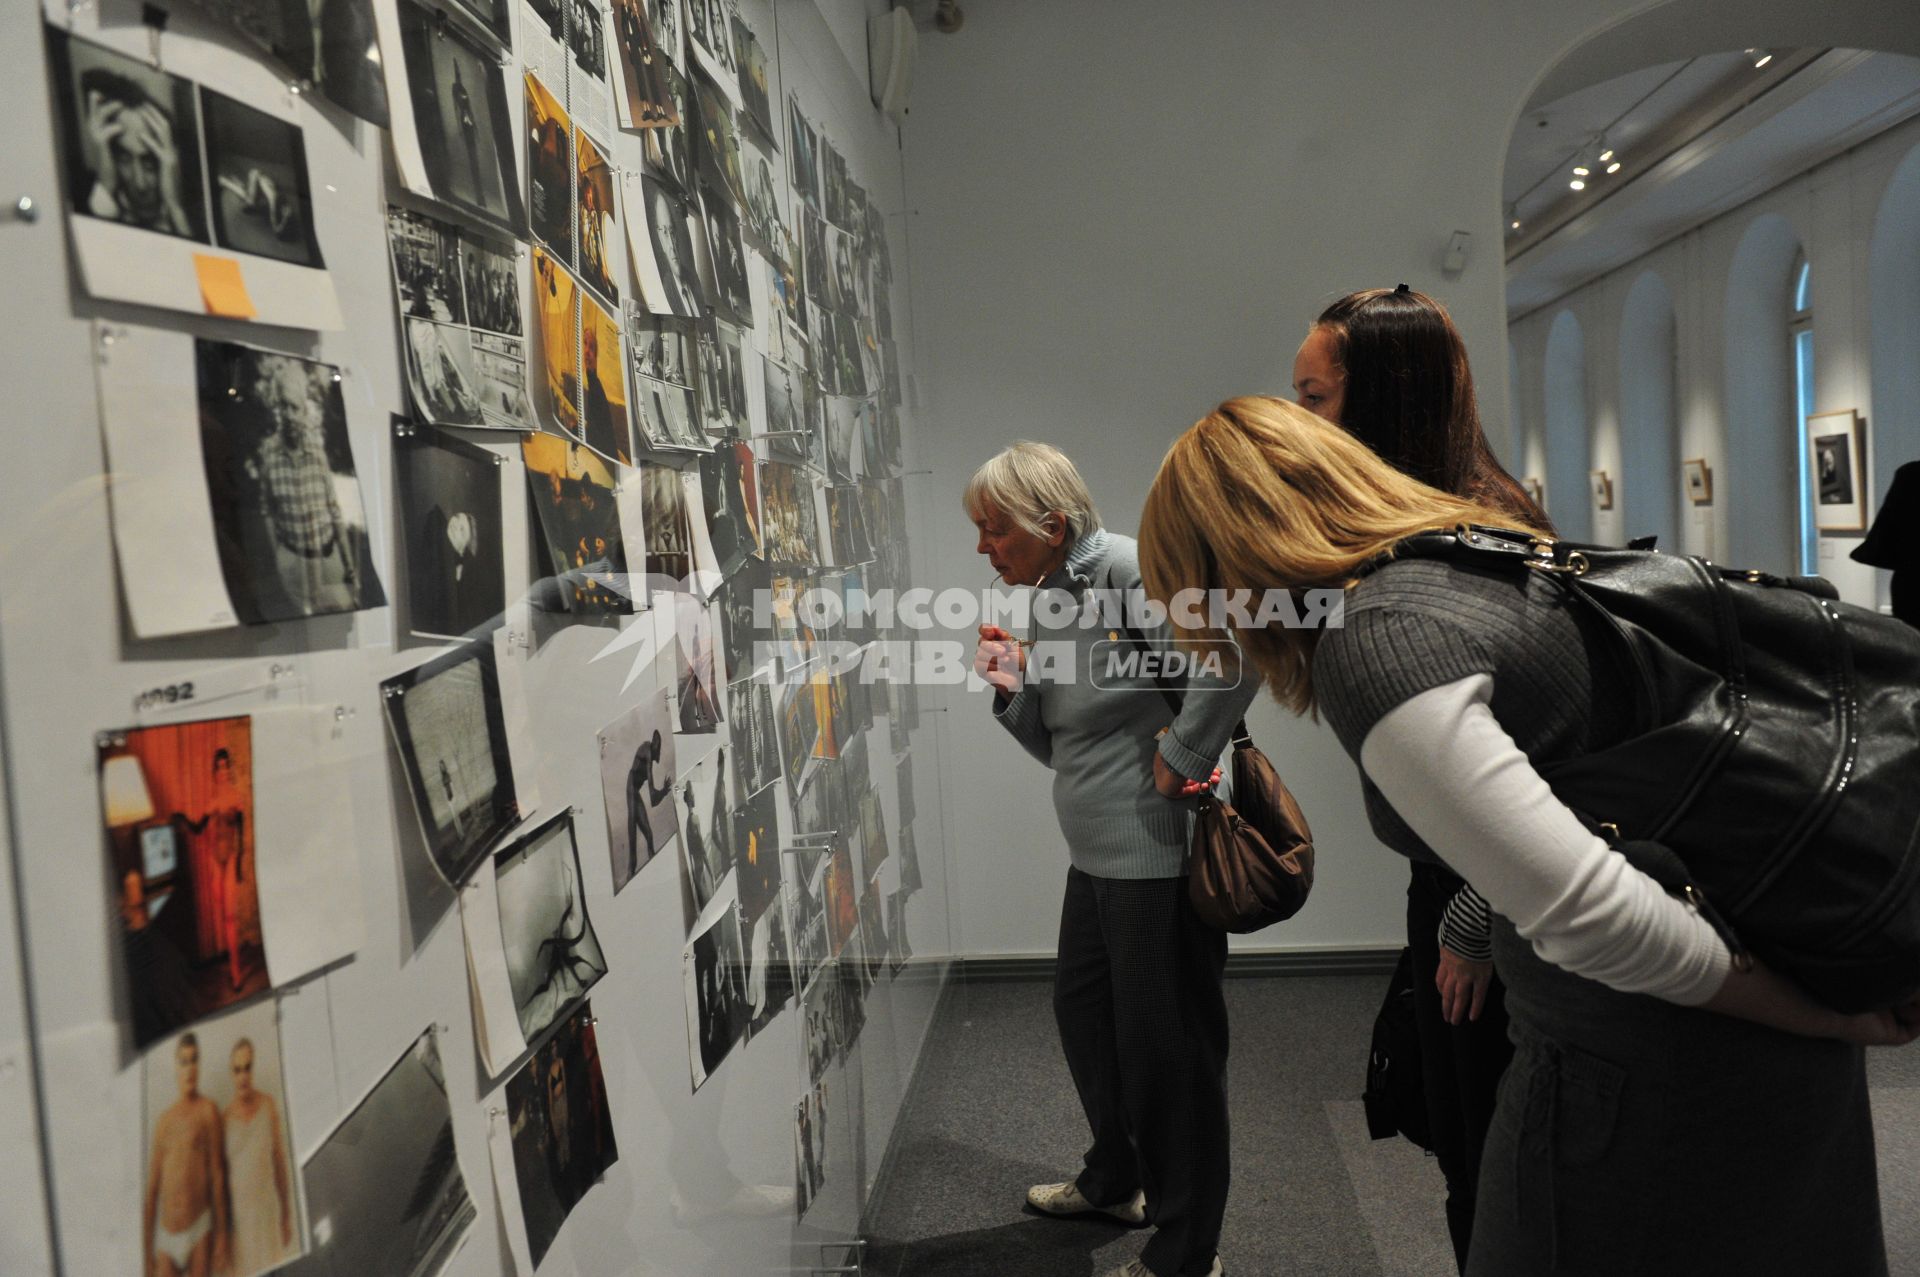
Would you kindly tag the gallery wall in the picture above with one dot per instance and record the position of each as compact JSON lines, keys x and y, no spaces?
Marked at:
{"x":1707,"y":314}
{"x":1125,"y":212}
{"x":705,"y":1180}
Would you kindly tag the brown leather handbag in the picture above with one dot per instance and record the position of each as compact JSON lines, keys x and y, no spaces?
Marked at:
{"x":1251,"y":862}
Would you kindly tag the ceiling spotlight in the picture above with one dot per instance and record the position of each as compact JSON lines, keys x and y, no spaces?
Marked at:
{"x":1606,"y":155}
{"x":1513,"y":216}
{"x":1759,"y":57}
{"x":1614,"y":167}
{"x":1580,"y":170}
{"x":1577,"y":185}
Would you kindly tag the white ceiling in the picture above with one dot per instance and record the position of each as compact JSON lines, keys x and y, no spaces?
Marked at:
{"x":1699,"y":137}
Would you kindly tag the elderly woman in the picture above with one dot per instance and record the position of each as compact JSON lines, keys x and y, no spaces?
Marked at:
{"x":1137,"y":983}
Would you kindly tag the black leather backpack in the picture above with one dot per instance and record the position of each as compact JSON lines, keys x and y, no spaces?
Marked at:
{"x":1773,"y":774}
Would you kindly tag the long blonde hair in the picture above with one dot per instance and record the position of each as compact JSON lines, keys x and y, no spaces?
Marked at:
{"x":1261,"y":494}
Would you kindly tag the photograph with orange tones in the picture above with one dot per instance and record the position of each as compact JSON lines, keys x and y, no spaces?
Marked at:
{"x":549,"y":170}
{"x":603,"y":416}
{"x":600,"y":262}
{"x":177,"y":803}
{"x":556,"y":310}
{"x":573,"y":494}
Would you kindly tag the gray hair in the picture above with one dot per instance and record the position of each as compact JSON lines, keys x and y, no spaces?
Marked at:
{"x":1027,"y":481}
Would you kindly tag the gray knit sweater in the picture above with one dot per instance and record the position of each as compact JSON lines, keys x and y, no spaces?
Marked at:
{"x":1418,"y":624}
{"x":1095,"y":726}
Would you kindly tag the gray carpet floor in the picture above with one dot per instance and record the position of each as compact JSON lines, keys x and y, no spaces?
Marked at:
{"x":994,"y":1111}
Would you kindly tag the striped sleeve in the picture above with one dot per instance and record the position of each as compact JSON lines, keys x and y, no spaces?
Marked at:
{"x":1467,"y":926}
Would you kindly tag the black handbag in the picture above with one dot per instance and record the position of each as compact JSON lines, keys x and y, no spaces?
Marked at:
{"x":1396,"y":1094}
{"x":1773,"y":773}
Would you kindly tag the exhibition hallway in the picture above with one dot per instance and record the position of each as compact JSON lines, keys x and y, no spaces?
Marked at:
{"x":994,"y":1111}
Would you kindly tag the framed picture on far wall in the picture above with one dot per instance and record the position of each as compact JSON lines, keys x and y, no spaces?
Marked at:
{"x":1834,"y":459}
{"x":1699,"y":480}
{"x":1536,"y":490}
{"x":1602,"y":490}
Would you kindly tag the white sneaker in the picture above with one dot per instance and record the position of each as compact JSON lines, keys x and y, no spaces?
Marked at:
{"x":1065,"y":1199}
{"x":1134,"y":1268}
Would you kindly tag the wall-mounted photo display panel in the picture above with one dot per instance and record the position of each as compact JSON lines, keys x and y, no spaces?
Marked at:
{"x":219,"y":1150}
{"x":452,"y":524}
{"x":384,"y":1189}
{"x":532,"y":953}
{"x":550,"y":170}
{"x":452,"y":129}
{"x":714,"y":971}
{"x":235,"y":496}
{"x":665,"y":413}
{"x":450,"y":730}
{"x":706,"y":825}
{"x":556,"y":1140}
{"x":579,"y":512}
{"x":660,"y":237}
{"x":329,"y":46}
{"x":185,"y":198}
{"x":461,"y":320}
{"x":637,"y":776}
{"x":642,"y":95}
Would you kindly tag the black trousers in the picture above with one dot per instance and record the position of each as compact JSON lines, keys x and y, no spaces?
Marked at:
{"x":1143,"y":1021}
{"x":1460,"y":1064}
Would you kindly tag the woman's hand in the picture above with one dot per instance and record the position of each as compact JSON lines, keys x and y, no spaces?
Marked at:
{"x":1000,"y":659}
{"x":1171,"y":784}
{"x":1896,"y":1025}
{"x":1463,"y":985}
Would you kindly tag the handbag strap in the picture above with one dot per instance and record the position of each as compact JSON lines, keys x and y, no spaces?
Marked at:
{"x":1241,"y":738}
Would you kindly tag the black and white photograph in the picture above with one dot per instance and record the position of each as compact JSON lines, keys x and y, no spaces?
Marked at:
{"x":492,"y":287}
{"x":746,"y":634}
{"x":550,"y":170}
{"x":723,"y":380}
{"x":706,"y":824}
{"x":819,"y":1016}
{"x":663,"y":258}
{"x":579,"y":516}
{"x":642,"y":94}
{"x":900,"y":950}
{"x":755,"y":734}
{"x":664,"y":410}
{"x":590,"y":89}
{"x":846,"y":526}
{"x":669,"y":32}
{"x":833,"y":185}
{"x":699,"y":654}
{"x":809,"y":1149}
{"x":637,"y":777}
{"x":710,"y":39}
{"x":329,"y":45}
{"x":1836,"y":455}
{"x":426,"y":266}
{"x":384,"y":1190}
{"x":714,"y":970}
{"x":458,"y":94}
{"x":873,"y":832}
{"x":755,"y":94}
{"x":822,"y":807}
{"x":219,"y":1150}
{"x":257,"y":170}
{"x":561,"y":1127}
{"x":803,"y":155}
{"x":728,"y":479}
{"x":440,"y":372}
{"x":769,"y":968}
{"x":910,"y":877}
{"x":726,"y":283}
{"x":786,"y":421}
{"x":668,"y":532}
{"x":763,"y":224}
{"x":541,"y":44}
{"x":716,"y":142}
{"x":459,"y":299}
{"x":452,"y":526}
{"x":131,"y":140}
{"x":493,"y":16}
{"x":668,"y":152}
{"x":287,"y":511}
{"x":451,"y":735}
{"x":553,"y":956}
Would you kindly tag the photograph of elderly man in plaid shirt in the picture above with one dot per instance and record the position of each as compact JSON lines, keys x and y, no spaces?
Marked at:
{"x":286,"y":502}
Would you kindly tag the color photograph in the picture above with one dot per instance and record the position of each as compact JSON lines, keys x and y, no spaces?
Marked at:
{"x":574,"y":499}
{"x":550,"y":170}
{"x":842,"y":897}
{"x":717,"y":143}
{"x":604,"y":423}
{"x":562,"y":1129}
{"x":754,"y":92}
{"x":637,"y":774}
{"x":756,"y":849}
{"x":601,"y":265}
{"x":556,"y":307}
{"x":287,"y":514}
{"x":219,"y":1193}
{"x":257,"y":164}
{"x":798,"y":730}
{"x":177,"y":805}
{"x":447,"y":724}
{"x":384,"y":1191}
{"x":553,"y":956}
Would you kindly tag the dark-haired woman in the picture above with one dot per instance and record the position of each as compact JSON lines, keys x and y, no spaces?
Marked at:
{"x":1388,"y":366}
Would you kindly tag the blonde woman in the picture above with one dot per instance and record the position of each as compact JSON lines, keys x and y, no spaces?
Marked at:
{"x":1665,"y":1113}
{"x":1136,"y":994}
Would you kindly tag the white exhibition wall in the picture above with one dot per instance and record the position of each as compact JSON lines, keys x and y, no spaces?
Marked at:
{"x":1125,"y":211}
{"x":682,"y":1197}
{"x":1687,"y":354}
